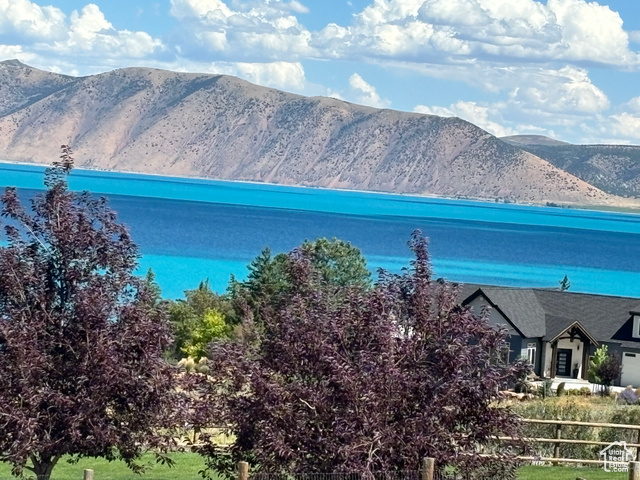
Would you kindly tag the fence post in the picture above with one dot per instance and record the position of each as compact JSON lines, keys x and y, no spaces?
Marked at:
{"x":634,"y":470}
{"x":428,"y":467}
{"x":556,"y":448}
{"x":243,"y":471}
{"x":88,"y":475}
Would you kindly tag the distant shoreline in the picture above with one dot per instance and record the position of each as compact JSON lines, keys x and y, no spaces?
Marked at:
{"x":183,"y":178}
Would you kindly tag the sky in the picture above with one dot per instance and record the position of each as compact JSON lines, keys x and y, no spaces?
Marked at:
{"x":568,"y":69}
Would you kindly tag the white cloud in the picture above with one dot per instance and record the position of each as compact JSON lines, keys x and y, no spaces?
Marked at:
{"x":89,"y":31}
{"x":632,"y":105}
{"x":182,"y":9}
{"x":591,"y":31}
{"x":27,"y":20}
{"x":14,"y":51}
{"x":47,"y":31}
{"x":566,"y":94}
{"x":288,"y":76}
{"x":434,"y":110}
{"x":249,"y":30}
{"x":532,"y":55}
{"x":487,"y":118}
{"x":282,"y":75}
{"x":366,"y":93}
{"x":450,"y":31}
{"x":624,"y":126}
{"x":568,"y":90}
{"x":86,"y":25}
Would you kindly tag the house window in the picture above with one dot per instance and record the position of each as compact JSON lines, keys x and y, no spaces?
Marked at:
{"x":531,"y":353}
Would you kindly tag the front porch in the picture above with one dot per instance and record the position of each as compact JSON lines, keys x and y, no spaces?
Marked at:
{"x":566,"y":356}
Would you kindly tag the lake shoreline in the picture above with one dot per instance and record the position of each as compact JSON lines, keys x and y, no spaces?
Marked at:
{"x":186,"y":179}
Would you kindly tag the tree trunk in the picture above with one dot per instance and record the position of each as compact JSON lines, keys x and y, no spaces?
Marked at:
{"x":43,"y":468}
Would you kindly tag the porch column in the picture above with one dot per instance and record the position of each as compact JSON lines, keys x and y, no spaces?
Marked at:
{"x":586,"y":347}
{"x":554,"y":354}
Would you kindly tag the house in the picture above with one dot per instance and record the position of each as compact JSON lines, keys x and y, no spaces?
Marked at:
{"x":558,"y":331}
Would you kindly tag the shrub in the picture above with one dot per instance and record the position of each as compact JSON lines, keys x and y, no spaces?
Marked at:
{"x":578,"y":408}
{"x":578,"y":392}
{"x":544,"y":390}
{"x":586,"y":391}
{"x":560,"y":390}
{"x":628,"y":397}
{"x":610,"y":371}
{"x":626,"y":415}
{"x":605,"y":368}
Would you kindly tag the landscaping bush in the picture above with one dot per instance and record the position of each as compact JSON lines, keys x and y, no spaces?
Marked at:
{"x":578,"y":408}
{"x":628,"y":397}
{"x":560,"y":389}
{"x":579,"y":392}
{"x":595,"y":409}
{"x":544,"y":390}
{"x":625,"y":415}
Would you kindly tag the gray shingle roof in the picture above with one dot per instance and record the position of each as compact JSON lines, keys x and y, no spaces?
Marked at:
{"x":538,"y":312}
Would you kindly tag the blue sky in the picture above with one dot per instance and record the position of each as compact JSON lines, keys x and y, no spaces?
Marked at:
{"x":568,"y":69}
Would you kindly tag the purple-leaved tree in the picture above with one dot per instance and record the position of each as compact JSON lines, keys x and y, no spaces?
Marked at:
{"x":342,"y":379}
{"x":81,"y":338}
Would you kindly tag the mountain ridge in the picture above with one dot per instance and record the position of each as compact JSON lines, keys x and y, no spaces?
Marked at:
{"x":612,"y":168}
{"x":217,"y":126}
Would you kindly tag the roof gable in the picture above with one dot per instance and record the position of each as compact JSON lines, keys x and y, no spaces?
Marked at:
{"x":556,"y":327}
{"x":537,"y":312}
{"x":601,"y":315}
{"x":519,"y":306}
{"x":480,"y":297}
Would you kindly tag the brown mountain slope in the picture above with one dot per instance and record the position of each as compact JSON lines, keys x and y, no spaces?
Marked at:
{"x":612,"y":168}
{"x":21,"y":85}
{"x":162,"y":122}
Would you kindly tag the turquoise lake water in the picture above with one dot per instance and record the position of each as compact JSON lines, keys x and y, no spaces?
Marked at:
{"x":191,"y":229}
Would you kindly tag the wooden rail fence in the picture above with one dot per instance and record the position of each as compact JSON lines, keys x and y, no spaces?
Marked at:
{"x":558,"y":440}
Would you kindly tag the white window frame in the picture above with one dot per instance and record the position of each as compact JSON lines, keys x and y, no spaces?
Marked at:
{"x":532,"y":352}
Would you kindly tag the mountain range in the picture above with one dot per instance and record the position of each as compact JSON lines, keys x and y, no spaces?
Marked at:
{"x":217,"y":126}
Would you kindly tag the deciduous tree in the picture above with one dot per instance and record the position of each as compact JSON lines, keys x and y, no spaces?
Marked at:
{"x":81,"y":337}
{"x":197,"y":319}
{"x":364,"y":379}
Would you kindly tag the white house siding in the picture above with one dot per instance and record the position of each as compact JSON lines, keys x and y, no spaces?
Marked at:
{"x":548,"y":352}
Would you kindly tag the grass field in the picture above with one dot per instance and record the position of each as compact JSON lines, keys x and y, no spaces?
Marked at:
{"x":568,"y":473}
{"x":188,"y":465}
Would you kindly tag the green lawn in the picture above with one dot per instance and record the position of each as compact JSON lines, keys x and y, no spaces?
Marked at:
{"x":188,"y":465}
{"x":568,"y":473}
